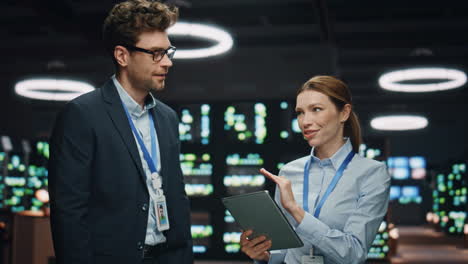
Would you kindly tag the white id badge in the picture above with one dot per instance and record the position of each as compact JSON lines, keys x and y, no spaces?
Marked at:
{"x":156,"y":180}
{"x":161,"y":213}
{"x":312,"y":260}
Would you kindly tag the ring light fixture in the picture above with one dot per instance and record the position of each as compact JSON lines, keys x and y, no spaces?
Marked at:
{"x":399,"y":122}
{"x":223,"y":39}
{"x":450,"y":79}
{"x":52,"y":89}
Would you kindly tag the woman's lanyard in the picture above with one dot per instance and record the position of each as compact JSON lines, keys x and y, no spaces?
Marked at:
{"x":331,"y":186}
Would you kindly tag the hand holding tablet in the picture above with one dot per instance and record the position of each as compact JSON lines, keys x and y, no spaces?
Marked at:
{"x":255,"y":248}
{"x":259,"y":213}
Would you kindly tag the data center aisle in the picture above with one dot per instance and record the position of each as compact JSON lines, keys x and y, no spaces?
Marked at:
{"x":422,"y":244}
{"x":416,"y":245}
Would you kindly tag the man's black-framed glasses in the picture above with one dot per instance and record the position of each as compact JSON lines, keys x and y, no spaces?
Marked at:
{"x":157,"y":54}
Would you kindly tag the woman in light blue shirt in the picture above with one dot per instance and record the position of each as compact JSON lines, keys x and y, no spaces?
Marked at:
{"x":334,"y":198}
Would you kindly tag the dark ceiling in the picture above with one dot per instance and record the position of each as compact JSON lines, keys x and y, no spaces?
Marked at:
{"x":278,"y":45}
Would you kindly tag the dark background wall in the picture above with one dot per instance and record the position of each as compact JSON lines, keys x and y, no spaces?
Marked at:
{"x":278,"y":45}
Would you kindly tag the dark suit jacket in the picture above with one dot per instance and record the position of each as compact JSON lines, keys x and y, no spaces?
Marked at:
{"x":99,"y":196}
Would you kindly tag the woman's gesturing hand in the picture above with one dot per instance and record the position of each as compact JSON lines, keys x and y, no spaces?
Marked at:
{"x":286,"y":194}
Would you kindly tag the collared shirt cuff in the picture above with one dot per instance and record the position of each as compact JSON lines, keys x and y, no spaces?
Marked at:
{"x":312,"y":228}
{"x":276,"y":257}
{"x":293,"y":222}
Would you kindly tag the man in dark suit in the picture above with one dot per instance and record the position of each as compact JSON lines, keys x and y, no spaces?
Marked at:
{"x":114,"y":168}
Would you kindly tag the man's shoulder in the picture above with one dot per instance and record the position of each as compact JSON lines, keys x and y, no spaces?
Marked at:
{"x":97,"y":96}
{"x":163,"y":107}
{"x":87,"y":98}
{"x":87,"y":104}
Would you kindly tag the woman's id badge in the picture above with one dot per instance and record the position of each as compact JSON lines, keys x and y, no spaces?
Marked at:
{"x":311,"y":259}
{"x":161,"y":213}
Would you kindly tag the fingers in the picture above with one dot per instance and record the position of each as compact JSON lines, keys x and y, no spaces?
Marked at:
{"x":257,"y":240}
{"x":260,"y":250}
{"x":245,"y":241}
{"x":244,"y":236}
{"x":281,"y":181}
{"x":255,"y":248}
{"x":266,"y":173}
{"x":269,"y":175}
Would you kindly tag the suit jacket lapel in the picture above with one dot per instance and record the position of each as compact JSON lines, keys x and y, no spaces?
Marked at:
{"x":117,"y":114}
{"x":160,"y":121}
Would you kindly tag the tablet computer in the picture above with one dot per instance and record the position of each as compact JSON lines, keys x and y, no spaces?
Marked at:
{"x":258,"y":212}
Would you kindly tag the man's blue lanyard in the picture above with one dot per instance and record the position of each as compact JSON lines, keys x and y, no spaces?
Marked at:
{"x":331,"y":186}
{"x":152,"y":162}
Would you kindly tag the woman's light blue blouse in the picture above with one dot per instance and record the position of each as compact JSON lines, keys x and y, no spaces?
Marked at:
{"x":350,"y":217}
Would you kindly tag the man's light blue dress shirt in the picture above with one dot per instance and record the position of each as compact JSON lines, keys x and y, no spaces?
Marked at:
{"x":350,"y":217}
{"x":142,"y":123}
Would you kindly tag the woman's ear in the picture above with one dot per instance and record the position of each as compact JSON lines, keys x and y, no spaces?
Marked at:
{"x":344,"y":115}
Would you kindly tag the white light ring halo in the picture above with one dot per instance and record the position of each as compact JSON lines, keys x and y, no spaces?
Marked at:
{"x":224,"y":39}
{"x":52,"y":89}
{"x":399,"y":122}
{"x":389,"y":81}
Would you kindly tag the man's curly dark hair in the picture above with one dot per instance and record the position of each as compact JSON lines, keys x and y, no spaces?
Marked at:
{"x":127,"y":20}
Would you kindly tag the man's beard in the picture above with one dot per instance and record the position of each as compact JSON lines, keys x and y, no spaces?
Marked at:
{"x":149,"y":85}
{"x":153,"y":86}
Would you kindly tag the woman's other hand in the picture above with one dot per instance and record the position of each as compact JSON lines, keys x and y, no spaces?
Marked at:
{"x":255,"y":248}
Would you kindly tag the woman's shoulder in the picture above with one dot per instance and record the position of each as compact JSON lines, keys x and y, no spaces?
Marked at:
{"x":295,"y":165}
{"x":368,"y":163}
{"x":367,"y":166}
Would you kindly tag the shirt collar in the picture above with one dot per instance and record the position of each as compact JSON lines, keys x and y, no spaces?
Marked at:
{"x":337,"y":159}
{"x":133,"y":107}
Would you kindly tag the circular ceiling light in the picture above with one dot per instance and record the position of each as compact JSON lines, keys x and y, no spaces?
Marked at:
{"x":450,"y":79}
{"x":399,"y":122}
{"x":222,"y":38}
{"x":52,"y":89}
